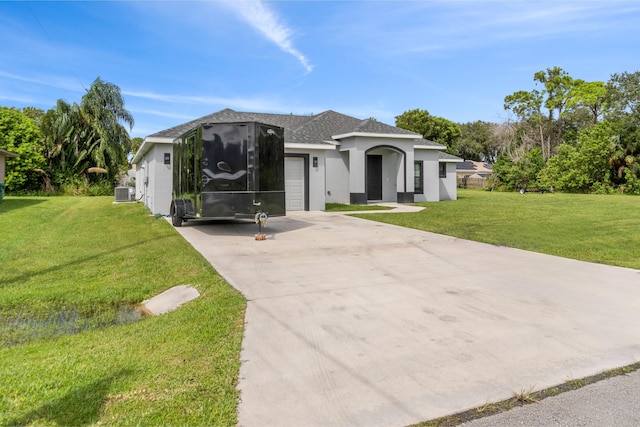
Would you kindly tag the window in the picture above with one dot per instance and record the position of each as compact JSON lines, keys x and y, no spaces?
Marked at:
{"x":418,"y":178}
{"x":443,"y":170}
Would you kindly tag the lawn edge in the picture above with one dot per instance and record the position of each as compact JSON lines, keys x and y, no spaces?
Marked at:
{"x":525,"y":397}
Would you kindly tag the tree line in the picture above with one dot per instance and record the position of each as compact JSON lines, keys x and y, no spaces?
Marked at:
{"x":566,"y":133}
{"x":71,"y":148}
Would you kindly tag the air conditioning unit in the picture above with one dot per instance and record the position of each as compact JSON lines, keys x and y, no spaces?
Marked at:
{"x":123,"y":194}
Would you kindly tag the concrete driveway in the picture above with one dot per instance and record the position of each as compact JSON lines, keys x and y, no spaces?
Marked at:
{"x":352,"y":322}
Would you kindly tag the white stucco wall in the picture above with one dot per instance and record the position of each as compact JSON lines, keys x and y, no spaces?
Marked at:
{"x":357,"y":167}
{"x":2,"y":168}
{"x":448,"y":185}
{"x":140,"y":177}
{"x":337,"y":177}
{"x":397,"y":168}
{"x":154,"y":179}
{"x":431,"y":174}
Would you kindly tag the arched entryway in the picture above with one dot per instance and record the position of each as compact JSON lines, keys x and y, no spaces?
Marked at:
{"x":385,"y":174}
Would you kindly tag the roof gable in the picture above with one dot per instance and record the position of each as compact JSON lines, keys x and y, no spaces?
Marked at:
{"x":374,"y":126}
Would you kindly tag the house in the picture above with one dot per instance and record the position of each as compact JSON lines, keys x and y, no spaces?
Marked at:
{"x":329,"y":158}
{"x":3,"y":155}
{"x":473,"y":174}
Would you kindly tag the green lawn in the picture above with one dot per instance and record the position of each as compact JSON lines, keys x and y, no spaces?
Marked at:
{"x":70,"y":268}
{"x":340,"y":207}
{"x":597,"y":228}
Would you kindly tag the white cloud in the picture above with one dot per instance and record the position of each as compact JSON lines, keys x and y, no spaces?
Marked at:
{"x":445,"y":26}
{"x":49,"y":81}
{"x":19,"y":99}
{"x":242,"y":104}
{"x":266,"y":22}
{"x":158,"y":113}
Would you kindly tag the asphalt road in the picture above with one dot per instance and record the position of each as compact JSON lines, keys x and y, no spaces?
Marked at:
{"x":611,"y":402}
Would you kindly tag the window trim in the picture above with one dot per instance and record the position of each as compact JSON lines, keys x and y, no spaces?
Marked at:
{"x":418,"y":189}
{"x":443,"y":170}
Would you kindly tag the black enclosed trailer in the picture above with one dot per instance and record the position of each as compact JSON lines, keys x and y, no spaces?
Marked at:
{"x":227,"y":171}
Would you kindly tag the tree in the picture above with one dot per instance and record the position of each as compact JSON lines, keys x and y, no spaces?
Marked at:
{"x":102,"y":110}
{"x":433,"y":128}
{"x":624,"y":94}
{"x":478,"y":142}
{"x":557,"y":87}
{"x":591,"y":96}
{"x":521,"y":172}
{"x":624,"y":115}
{"x":34,"y":113}
{"x":624,"y":155}
{"x":78,"y":137}
{"x":582,"y":167}
{"x":541,"y":111}
{"x":136,"y":143}
{"x":19,"y":134}
{"x":60,"y":146}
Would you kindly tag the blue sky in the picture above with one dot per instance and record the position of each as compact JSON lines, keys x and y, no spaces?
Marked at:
{"x":176,"y":61}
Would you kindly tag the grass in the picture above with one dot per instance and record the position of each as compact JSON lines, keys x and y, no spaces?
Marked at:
{"x":340,"y":207}
{"x":596,"y":228}
{"x":525,"y":396}
{"x":79,"y":262}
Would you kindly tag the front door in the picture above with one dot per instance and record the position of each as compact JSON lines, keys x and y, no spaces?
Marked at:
{"x":374,"y":177}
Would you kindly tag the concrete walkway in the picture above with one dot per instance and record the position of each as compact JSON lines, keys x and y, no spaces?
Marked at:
{"x":353,"y":322}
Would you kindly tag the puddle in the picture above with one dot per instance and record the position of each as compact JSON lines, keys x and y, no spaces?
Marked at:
{"x":24,"y":327}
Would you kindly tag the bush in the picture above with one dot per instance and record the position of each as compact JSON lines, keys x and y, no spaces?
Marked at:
{"x":80,"y":186}
{"x":102,"y":188}
{"x":20,"y":134}
{"x":582,"y":167}
{"x":519,"y":173}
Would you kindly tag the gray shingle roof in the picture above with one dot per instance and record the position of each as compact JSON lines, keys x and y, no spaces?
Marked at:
{"x":312,"y":129}
{"x":429,"y":143}
{"x":446,"y":156}
{"x":374,"y":126}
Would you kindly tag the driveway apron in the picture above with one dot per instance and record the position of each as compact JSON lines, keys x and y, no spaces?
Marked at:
{"x":350,"y":322}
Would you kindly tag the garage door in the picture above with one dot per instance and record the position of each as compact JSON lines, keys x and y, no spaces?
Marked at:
{"x":294,"y":183}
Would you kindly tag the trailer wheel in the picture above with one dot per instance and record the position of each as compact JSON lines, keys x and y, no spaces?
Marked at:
{"x":177,"y":212}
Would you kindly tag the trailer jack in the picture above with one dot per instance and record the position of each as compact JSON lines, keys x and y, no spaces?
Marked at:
{"x":261,"y":220}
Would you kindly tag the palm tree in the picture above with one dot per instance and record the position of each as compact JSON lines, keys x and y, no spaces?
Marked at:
{"x":79,"y":137}
{"x":107,"y":143}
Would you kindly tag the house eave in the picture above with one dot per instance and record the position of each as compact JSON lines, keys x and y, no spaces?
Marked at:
{"x":298,"y":146}
{"x":8,"y":154}
{"x":147,"y":143}
{"x":430,"y":147}
{"x":376,"y":135}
